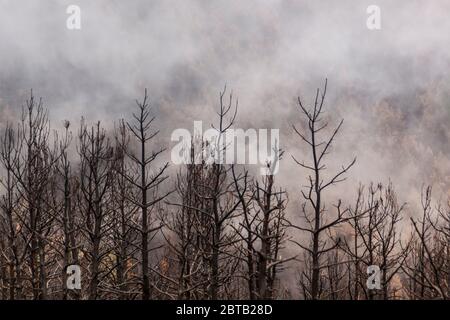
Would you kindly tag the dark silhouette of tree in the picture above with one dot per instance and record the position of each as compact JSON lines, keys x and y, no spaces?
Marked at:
{"x":102,"y":202}
{"x":95,"y":154}
{"x":147,"y":179}
{"x":313,"y":209}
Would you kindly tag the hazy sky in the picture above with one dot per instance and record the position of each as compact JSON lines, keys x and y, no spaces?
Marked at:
{"x":391,"y":85}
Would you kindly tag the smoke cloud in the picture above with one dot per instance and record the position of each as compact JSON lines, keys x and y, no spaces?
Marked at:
{"x":390,"y":85}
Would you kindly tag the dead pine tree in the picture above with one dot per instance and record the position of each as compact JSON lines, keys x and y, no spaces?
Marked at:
{"x":313,"y":209}
{"x":183,"y":234}
{"x":247,"y":230}
{"x":272,"y":235}
{"x":353,"y":247}
{"x":442,"y":227}
{"x":427,"y":266}
{"x":65,"y":211}
{"x":262,"y":231}
{"x":13,"y":244}
{"x":147,"y":179}
{"x":374,"y":239}
{"x":360,"y":243}
{"x":33,"y":173}
{"x":95,"y":154}
{"x":335,"y":276}
{"x":223,"y":206}
{"x":390,"y":249}
{"x":214,"y":205}
{"x":124,"y":211}
{"x":416,"y":266}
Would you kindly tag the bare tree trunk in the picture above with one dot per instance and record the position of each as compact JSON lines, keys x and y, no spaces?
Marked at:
{"x":318,"y":224}
{"x":95,"y":176}
{"x":145,"y":183}
{"x":9,"y":158}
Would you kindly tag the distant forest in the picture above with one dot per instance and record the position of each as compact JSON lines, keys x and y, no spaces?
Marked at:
{"x":105,"y":200}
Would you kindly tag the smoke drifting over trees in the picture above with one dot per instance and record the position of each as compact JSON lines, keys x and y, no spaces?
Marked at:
{"x":85,"y":173}
{"x":218,"y":233}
